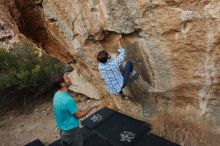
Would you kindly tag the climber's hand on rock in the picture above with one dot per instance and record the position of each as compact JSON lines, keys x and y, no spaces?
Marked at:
{"x":118,"y":37}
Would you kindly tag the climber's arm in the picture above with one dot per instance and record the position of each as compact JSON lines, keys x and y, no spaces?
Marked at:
{"x":118,"y":41}
{"x":121,"y":56}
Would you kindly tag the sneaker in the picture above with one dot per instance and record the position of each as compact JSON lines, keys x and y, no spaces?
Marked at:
{"x":134,"y":75}
{"x":123,"y":96}
{"x":126,"y":98}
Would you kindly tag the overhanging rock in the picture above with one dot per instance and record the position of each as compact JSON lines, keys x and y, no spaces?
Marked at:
{"x":80,"y":85}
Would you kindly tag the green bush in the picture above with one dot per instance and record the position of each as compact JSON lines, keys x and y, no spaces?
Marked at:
{"x":24,"y":75}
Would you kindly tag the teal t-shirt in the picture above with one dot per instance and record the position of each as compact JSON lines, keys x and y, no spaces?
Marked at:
{"x":64,"y":109}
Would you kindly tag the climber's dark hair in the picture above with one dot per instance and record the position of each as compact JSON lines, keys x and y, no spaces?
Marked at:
{"x":102,"y":56}
{"x":57,"y":80}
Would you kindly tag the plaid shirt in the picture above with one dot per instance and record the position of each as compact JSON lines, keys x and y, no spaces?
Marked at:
{"x":111,"y":73}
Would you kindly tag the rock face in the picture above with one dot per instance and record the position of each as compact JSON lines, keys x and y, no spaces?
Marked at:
{"x":175,"y":46}
{"x":8,"y":29}
{"x":82,"y":86}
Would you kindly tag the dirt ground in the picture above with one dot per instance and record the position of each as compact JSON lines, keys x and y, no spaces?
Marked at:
{"x":19,"y":129}
{"x":37,"y":122}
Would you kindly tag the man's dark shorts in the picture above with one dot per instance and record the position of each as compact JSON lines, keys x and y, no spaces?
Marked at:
{"x":71,"y":137}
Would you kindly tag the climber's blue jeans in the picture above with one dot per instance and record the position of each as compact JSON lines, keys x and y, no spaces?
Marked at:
{"x":126,"y":73}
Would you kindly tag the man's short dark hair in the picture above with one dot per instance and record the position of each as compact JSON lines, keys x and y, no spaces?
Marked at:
{"x":57,"y":80}
{"x":102,"y":56}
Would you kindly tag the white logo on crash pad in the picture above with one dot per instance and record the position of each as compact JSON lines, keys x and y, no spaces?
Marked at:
{"x":127,"y":136}
{"x":96,"y":118}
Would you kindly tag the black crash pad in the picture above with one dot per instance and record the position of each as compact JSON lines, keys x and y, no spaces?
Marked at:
{"x":154,"y":140}
{"x":121,"y":130}
{"x":56,"y":143}
{"x":98,"y":118}
{"x":95,"y":140}
{"x":36,"y":142}
{"x":91,"y":139}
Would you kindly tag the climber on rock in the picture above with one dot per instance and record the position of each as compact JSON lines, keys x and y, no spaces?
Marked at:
{"x":110,"y":69}
{"x":67,"y":114}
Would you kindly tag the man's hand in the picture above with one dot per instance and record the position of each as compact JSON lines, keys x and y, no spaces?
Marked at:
{"x":81,"y":113}
{"x":97,"y":104}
